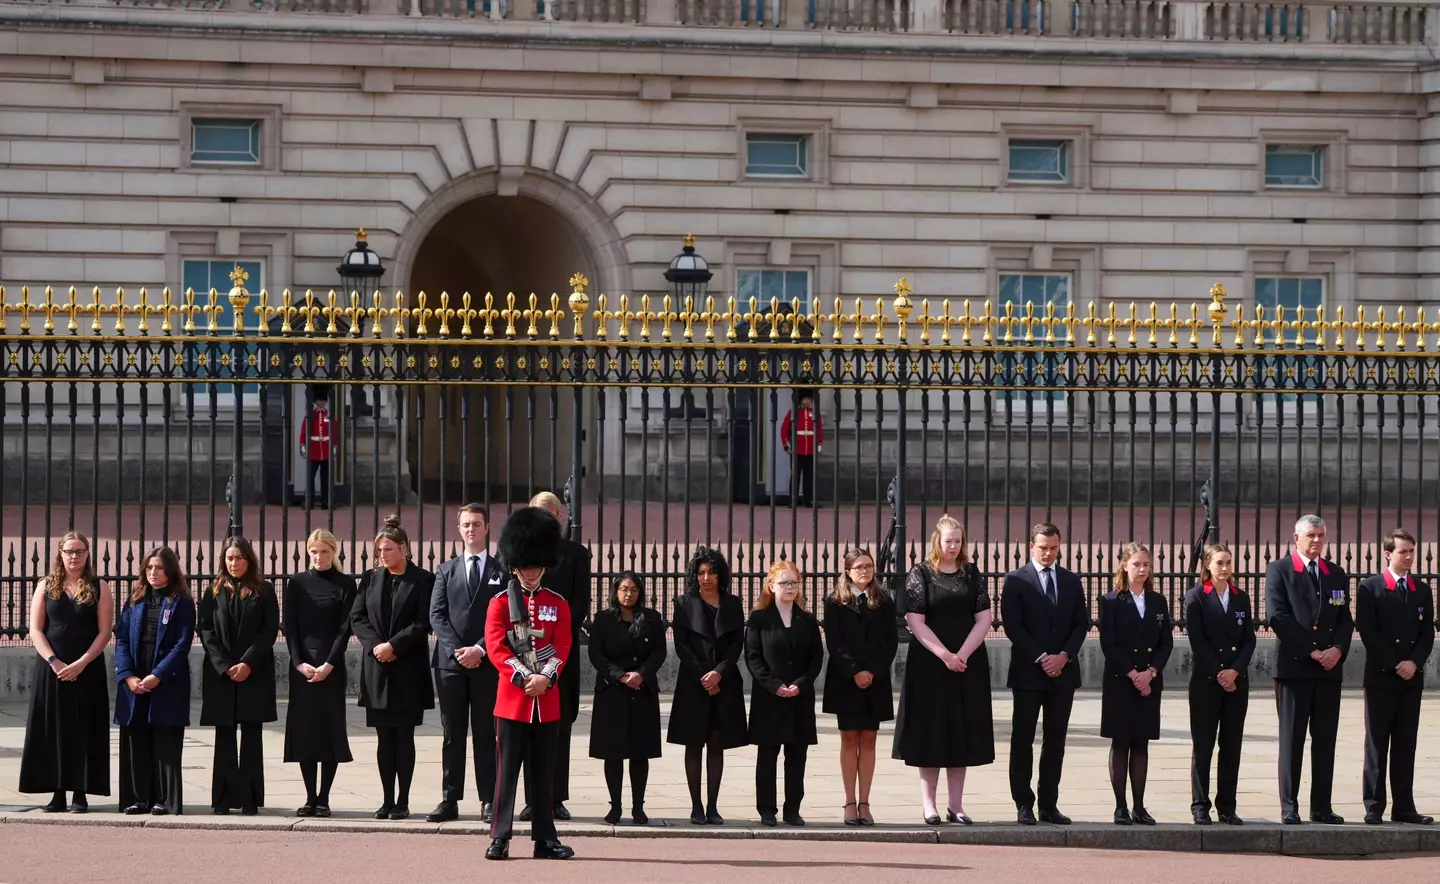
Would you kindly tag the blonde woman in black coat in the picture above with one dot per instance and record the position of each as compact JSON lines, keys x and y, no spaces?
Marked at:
{"x":784,"y":652}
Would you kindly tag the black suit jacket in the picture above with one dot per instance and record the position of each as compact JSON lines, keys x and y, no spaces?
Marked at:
{"x":1304,"y":620}
{"x":457,"y":616}
{"x":1130,"y":642}
{"x":1394,"y":626}
{"x":1035,"y":627}
{"x":571,"y":579}
{"x":1219,"y":638}
{"x":404,"y":684}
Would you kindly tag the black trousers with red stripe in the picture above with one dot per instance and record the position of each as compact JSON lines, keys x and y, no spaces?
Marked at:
{"x":515,"y":742}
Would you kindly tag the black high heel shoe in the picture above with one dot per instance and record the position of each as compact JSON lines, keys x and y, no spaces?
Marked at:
{"x":953,"y":817}
{"x":863,"y":820}
{"x":850,"y":822}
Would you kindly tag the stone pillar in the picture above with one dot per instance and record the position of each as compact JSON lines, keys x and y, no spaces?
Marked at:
{"x":1317,"y":23}
{"x":929,"y":16}
{"x":1189,"y":21}
{"x":794,"y":14}
{"x":662,"y":12}
{"x":520,"y":10}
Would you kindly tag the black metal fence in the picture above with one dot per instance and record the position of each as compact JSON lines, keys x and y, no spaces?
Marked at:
{"x":142,"y":424}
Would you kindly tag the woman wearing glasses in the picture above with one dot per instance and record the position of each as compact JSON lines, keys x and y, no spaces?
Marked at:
{"x":784,"y":652}
{"x":67,"y":734}
{"x":860,"y":634}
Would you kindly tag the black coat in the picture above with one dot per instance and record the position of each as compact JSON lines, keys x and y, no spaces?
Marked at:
{"x":1395,"y":626}
{"x":1304,"y":621}
{"x":249,"y":639}
{"x":571,"y":579}
{"x":1035,"y":627}
{"x":402,"y":685}
{"x":777,"y":657}
{"x":625,"y":723}
{"x":1219,"y":638}
{"x":860,"y":639}
{"x":456,"y":616}
{"x":1130,"y":642}
{"x":704,"y":642}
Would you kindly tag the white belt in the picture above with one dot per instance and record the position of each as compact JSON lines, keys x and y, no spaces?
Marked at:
{"x":319,"y":438}
{"x":805,"y":432}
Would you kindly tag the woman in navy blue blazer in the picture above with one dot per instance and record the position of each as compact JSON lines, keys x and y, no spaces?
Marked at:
{"x":152,"y":685}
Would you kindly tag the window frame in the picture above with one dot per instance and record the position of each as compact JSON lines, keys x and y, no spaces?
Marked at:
{"x":817,"y":144}
{"x":1066,"y":149}
{"x":1321,"y":164}
{"x":762,"y":303}
{"x":806,"y":141}
{"x":269,"y":118}
{"x":256,"y":137}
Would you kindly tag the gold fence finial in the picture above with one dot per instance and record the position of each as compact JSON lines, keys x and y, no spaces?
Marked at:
{"x":239,"y":297}
{"x":902,"y":305}
{"x":579,"y":302}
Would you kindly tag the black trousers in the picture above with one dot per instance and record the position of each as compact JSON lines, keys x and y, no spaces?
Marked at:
{"x":1056,"y":703}
{"x":765,"y":762}
{"x":1392,"y":726}
{"x":467,"y":702}
{"x":1312,"y":703}
{"x":803,"y":482}
{"x":560,"y":774}
{"x":150,"y":766}
{"x":1214,"y":710}
{"x":320,"y":495}
{"x":236,"y":783}
{"x":533,"y":744}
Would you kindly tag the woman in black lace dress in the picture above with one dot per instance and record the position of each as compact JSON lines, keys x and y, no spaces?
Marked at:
{"x":945,"y":717}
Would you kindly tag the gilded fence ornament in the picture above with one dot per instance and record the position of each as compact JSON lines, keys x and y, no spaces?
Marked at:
{"x":332,"y":313}
{"x":25,"y":308}
{"x":602,"y":318}
{"x":554,"y":315}
{"x":188,"y":310}
{"x":510,"y":314}
{"x":732,"y":318}
{"x":772,"y":318}
{"x":579,"y":302}
{"x":467,"y":314}
{"x":239,"y":297}
{"x":400,"y":316}
{"x":531,"y":313}
{"x":489,"y":314}
{"x":263,"y":313}
{"x":924,"y":320}
{"x":623,"y":317}
{"x":752,"y":317}
{"x":708,"y":316}
{"x":687,"y":319}
{"x":96,"y":310}
{"x":902,"y":305}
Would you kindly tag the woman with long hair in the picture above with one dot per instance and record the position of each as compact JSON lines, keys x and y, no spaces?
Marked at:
{"x":152,"y":685}
{"x":391,"y":617}
{"x":1136,"y":639}
{"x":238,"y":621}
{"x":317,"y":631}
{"x":860,"y":635}
{"x":945,"y":718}
{"x":627,"y":648}
{"x":784,"y":653}
{"x":707,"y":713}
{"x":67,"y":733}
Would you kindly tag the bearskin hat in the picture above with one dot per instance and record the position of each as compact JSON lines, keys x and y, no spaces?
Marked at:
{"x":530,"y":539}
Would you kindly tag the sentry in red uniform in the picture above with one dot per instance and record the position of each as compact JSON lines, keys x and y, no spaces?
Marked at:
{"x":809,"y":430}
{"x":315,"y":434}
{"x":549,"y":616}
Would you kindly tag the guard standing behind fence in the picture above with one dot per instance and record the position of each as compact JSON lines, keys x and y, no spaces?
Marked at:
{"x":1395,"y":614}
{"x":67,"y":731}
{"x":316,"y":447}
{"x":808,"y":438}
{"x":1219,"y":622}
{"x":239,"y":619}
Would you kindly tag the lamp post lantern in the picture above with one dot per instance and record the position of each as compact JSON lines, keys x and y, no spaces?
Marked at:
{"x":689,"y":277}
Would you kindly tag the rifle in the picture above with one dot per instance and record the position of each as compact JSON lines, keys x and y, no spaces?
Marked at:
{"x":889,"y":554}
{"x":1209,"y":532}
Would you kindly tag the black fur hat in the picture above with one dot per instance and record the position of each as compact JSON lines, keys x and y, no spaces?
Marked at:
{"x":530,"y":539}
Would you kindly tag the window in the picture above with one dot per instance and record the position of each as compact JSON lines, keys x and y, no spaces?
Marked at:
{"x":203,"y":275}
{"x":764,"y":284}
{"x":1046,"y":162}
{"x":225,"y":141}
{"x":1038,"y":289}
{"x":777,"y":154}
{"x":1294,"y":165}
{"x":1290,"y":292}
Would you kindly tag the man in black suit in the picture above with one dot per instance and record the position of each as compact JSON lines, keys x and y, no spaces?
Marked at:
{"x":465,"y":682}
{"x":571,"y":579}
{"x":1395,"y":614}
{"x":1307,"y":599}
{"x":1045,"y":616}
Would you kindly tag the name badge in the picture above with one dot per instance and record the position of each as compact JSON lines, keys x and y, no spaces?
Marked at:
{"x":1337,"y":597}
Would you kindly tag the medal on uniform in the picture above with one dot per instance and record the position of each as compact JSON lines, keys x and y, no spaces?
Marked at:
{"x":1337,"y":597}
{"x":165,"y":615}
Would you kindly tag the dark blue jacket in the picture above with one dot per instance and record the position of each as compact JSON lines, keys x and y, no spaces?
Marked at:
{"x":170,"y":702}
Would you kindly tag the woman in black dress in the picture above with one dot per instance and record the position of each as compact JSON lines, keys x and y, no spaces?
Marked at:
{"x":67,"y":733}
{"x":391,"y":617}
{"x":784,"y":652}
{"x":860,"y":635}
{"x":317,"y":632}
{"x":708,"y":709}
{"x":238,"y":621}
{"x":627,"y":647}
{"x":1136,"y":639}
{"x":152,"y":686}
{"x":945,"y":718}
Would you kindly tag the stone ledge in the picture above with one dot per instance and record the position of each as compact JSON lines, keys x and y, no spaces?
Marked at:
{"x":1240,"y":839}
{"x":1352,"y":840}
{"x":1112,"y":837}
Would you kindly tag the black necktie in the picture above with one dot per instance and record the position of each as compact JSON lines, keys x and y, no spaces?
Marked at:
{"x":1049,"y":587}
{"x":1315,"y":578}
{"x":1400,"y":584}
{"x":474,"y":574}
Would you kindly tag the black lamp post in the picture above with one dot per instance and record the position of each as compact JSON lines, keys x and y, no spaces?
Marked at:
{"x":360,"y":271}
{"x":689,"y":277}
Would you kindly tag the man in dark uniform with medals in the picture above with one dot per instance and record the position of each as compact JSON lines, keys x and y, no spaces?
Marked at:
{"x":1308,"y":602}
{"x":1395,"y":614}
{"x":528,"y":640}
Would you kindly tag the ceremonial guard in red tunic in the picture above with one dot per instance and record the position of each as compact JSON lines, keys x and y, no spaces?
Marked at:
{"x":527,"y":633}
{"x":315,"y":447}
{"x":809,"y":436}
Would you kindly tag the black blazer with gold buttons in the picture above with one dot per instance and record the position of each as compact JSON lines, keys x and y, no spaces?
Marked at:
{"x":1220,"y":637}
{"x":1395,"y":625}
{"x":1133,"y":642}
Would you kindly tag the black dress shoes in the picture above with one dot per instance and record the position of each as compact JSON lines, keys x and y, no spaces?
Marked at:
{"x":1202,"y":817}
{"x":1142,"y":817}
{"x":638,"y":817}
{"x":1329,"y":818}
{"x":487,"y":812}
{"x":953,"y":817}
{"x":697,"y":816}
{"x":525,"y":814}
{"x":1414,"y":819}
{"x":383,"y":812}
{"x":1290,"y":818}
{"x":1231,"y":819}
{"x":137,"y":809}
{"x":561,"y":812}
{"x":935,"y":820}
{"x":552,"y":850}
{"x":400,"y":812}
{"x":498,"y":850}
{"x":80,"y":805}
{"x":793,"y":819}
{"x":713,"y":817}
{"x":613,"y":816}
{"x":444,"y":812}
{"x":768,"y":819}
{"x":322,"y":810}
{"x":56,"y":805}
{"x":159,"y":810}
{"x":1374,"y":819}
{"x":1122,"y":817}
{"x":305,"y":810}
{"x":1024,"y":816}
{"x":220,"y":811}
{"x":1053,"y":815}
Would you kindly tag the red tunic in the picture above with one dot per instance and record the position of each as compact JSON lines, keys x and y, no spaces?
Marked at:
{"x":549,"y":612}
{"x":809,"y":432}
{"x":316,"y":445}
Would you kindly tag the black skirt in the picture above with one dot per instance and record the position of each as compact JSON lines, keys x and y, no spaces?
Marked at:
{"x":315,"y":720}
{"x":67,"y":734}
